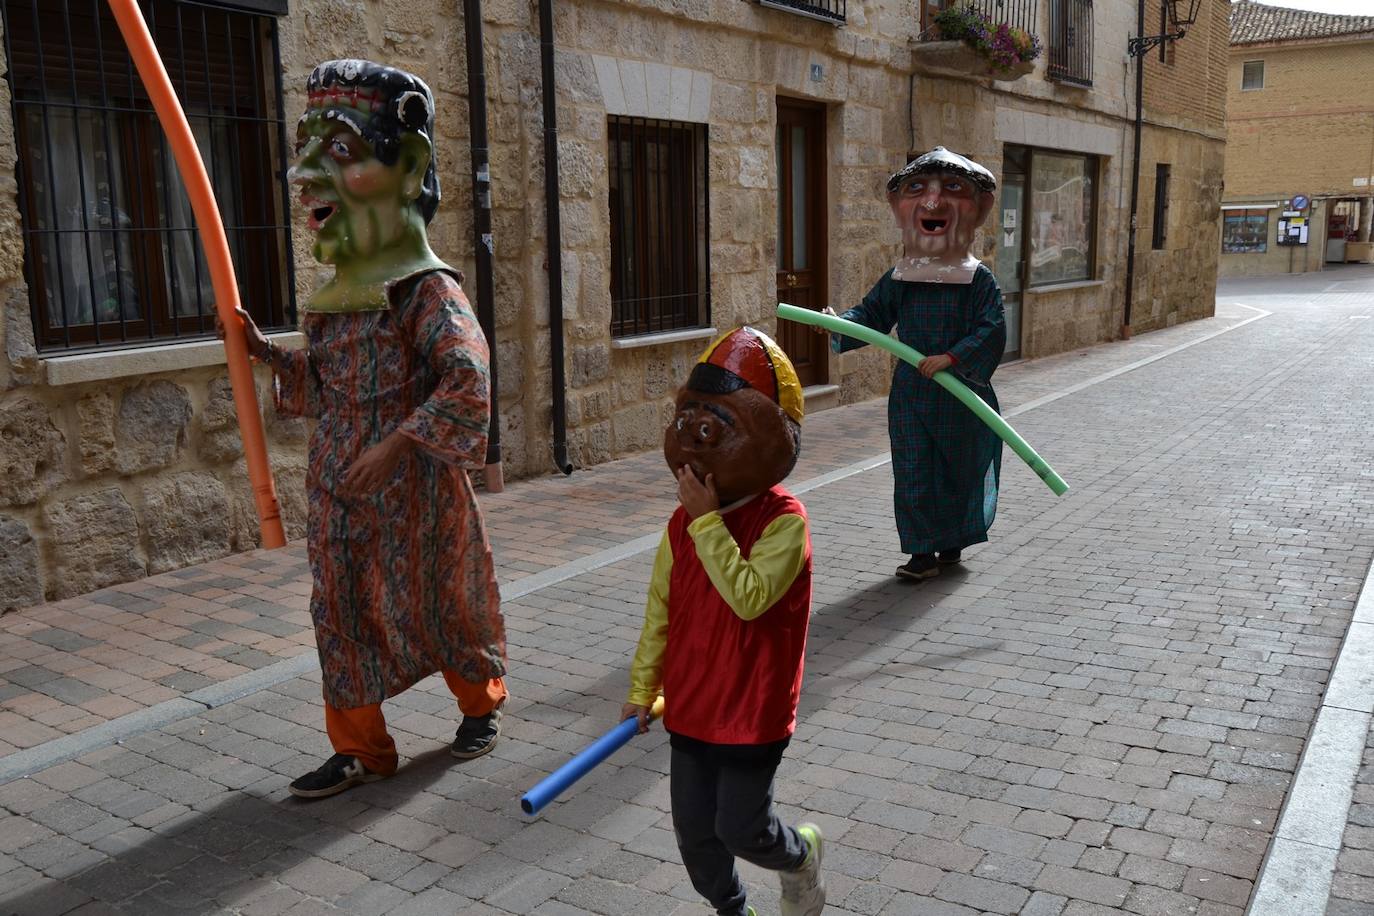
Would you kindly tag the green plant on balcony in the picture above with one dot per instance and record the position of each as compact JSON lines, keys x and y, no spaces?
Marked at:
{"x":1005,"y":48}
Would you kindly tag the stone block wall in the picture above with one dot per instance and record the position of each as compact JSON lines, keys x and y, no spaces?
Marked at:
{"x":719,"y":62}
{"x":107,"y":482}
{"x":140,"y":470}
{"x":1178,"y":282}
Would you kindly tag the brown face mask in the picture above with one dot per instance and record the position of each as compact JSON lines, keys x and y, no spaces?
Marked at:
{"x":743,"y":439}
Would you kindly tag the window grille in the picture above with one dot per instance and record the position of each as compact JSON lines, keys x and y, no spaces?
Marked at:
{"x":660,"y":274}
{"x":1018,"y":14}
{"x":832,"y":11}
{"x":1071,"y":41}
{"x":1252,"y":74}
{"x":112,"y":256}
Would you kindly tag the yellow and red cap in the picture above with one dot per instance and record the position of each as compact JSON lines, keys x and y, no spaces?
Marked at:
{"x":747,"y":357}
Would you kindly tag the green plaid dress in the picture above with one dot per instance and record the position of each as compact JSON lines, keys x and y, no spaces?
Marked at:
{"x":945,"y":461}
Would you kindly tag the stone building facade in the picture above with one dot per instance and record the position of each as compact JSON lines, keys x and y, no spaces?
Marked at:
{"x":1300,"y":123}
{"x":762,"y":136}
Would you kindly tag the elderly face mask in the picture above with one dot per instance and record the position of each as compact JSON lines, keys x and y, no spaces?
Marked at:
{"x":939,"y":200}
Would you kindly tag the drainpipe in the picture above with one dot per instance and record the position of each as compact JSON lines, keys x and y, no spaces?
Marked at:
{"x":1135,"y":173}
{"x":481,"y":227}
{"x":554,"y":234}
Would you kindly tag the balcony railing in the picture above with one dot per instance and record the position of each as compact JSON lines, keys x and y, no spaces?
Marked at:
{"x":1019,"y":14}
{"x":831,"y":11}
{"x":1071,"y":41}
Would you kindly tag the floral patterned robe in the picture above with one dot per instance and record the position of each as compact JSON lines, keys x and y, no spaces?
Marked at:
{"x":404,"y":584}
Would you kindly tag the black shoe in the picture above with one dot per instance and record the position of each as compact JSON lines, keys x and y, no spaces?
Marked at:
{"x":477,"y":734}
{"x":920,"y":566}
{"x":339,"y":772}
{"x":947,"y":557}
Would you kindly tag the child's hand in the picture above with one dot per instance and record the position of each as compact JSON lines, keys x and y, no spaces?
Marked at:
{"x":696,"y":497}
{"x":933,"y":364}
{"x":634,"y":711}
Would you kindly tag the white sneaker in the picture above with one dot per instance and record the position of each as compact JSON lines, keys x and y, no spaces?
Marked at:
{"x":803,"y":891}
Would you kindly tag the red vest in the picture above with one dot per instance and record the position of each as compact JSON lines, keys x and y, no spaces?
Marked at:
{"x":727,"y":680}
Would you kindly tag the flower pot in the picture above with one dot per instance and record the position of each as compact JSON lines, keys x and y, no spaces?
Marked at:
{"x":955,"y":58}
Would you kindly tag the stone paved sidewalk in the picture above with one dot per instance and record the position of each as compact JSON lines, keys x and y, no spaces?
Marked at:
{"x":74,"y":664}
{"x":1101,"y":712}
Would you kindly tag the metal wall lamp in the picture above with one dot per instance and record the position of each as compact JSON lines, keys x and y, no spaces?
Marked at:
{"x":1180,"y":17}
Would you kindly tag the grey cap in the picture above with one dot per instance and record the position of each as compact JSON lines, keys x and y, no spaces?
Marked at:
{"x":942,"y":160}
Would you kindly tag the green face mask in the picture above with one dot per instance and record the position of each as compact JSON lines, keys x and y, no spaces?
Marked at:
{"x":363,"y":212}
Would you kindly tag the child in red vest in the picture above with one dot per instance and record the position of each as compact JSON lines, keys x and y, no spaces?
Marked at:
{"x":725,"y":624}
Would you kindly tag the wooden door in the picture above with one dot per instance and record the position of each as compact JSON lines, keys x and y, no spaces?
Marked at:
{"x":802,"y":250}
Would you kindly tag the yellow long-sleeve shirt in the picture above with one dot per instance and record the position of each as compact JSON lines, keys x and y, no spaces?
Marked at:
{"x":749,"y":586}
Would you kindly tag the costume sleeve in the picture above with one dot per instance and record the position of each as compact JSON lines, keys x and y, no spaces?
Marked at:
{"x":978,"y":353}
{"x":295,"y":386}
{"x":452,"y":424}
{"x":875,"y":311}
{"x":646,"y":671}
{"x":754,"y":585}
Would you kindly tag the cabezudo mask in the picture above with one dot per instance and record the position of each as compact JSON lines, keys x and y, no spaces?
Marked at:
{"x":738,"y":417}
{"x":364,"y":168}
{"x":939,"y":200}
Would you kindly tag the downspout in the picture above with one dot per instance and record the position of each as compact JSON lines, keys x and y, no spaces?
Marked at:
{"x":554,"y":235}
{"x":1135,"y":172}
{"x":481,"y":228}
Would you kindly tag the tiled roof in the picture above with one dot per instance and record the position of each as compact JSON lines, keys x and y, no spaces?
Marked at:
{"x":1256,"y":23}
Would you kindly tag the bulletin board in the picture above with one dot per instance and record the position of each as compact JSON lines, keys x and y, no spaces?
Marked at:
{"x":1293,"y":228}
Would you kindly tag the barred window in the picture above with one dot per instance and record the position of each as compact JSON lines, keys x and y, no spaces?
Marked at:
{"x":1252,"y":74}
{"x":660,"y":276}
{"x":1071,"y":41}
{"x":111,"y":251}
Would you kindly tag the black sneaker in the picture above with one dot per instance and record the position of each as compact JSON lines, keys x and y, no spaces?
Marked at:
{"x":920,"y":566}
{"x":477,"y":734}
{"x":339,"y":772}
{"x":947,"y":557}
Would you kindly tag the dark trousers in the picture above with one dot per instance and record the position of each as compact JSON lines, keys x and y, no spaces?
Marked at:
{"x":722,"y":808}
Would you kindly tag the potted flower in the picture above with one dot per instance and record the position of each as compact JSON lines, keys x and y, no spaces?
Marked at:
{"x":998,"y":49}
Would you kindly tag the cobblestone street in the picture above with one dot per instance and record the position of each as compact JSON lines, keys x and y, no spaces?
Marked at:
{"x":1102,"y":711}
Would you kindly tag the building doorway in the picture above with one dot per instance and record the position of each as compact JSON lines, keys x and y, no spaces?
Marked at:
{"x":1009,"y":223}
{"x":1341,"y":222}
{"x":801,"y":249}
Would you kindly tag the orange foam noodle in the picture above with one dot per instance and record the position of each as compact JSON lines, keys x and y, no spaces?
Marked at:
{"x":211,"y":228}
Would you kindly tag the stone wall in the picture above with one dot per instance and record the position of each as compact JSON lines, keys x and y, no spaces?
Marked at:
{"x":1178,"y":282}
{"x":133,"y":465}
{"x":737,"y":58}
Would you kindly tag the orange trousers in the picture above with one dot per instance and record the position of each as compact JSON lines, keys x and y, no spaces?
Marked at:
{"x":361,"y":732}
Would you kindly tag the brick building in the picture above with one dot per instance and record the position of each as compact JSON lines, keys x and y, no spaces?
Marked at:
{"x":1300,"y":124}
{"x":714,"y":156}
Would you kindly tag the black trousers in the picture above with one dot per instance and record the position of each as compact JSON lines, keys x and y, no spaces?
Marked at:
{"x":722,"y":808}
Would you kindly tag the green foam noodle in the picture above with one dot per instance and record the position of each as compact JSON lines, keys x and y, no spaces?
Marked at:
{"x":946,"y":380}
